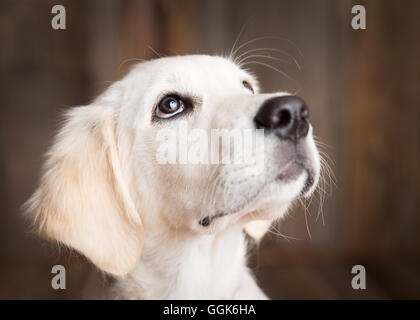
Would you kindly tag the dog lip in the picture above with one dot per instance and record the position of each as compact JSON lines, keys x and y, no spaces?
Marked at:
{"x":294,"y":169}
{"x":291,"y":171}
{"x":308,"y":183}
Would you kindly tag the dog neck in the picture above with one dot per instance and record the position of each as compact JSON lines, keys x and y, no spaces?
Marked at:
{"x":178,"y":265}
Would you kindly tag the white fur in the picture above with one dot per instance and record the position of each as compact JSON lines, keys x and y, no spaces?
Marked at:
{"x":103,"y":193}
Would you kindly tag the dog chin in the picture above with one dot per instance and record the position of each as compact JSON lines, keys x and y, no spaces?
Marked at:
{"x":287,"y":186}
{"x":284,"y":189}
{"x":277,"y":194}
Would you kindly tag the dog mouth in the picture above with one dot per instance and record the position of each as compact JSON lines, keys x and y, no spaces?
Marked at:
{"x":293,"y":171}
{"x":289,"y":173}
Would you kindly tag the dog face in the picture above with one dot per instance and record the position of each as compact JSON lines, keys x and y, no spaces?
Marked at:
{"x":211,"y":93}
{"x":152,"y":152}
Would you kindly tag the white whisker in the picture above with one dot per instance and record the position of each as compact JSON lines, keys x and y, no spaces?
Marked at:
{"x":273,"y":68}
{"x":265,"y":38}
{"x":269,"y":49}
{"x":262,"y":56}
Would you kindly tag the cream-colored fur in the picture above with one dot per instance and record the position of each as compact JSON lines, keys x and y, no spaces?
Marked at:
{"x":103,"y":193}
{"x":83,"y":200}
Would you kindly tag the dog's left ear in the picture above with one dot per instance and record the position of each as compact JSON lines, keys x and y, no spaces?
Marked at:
{"x":257,"y":229}
{"x":83,"y":200}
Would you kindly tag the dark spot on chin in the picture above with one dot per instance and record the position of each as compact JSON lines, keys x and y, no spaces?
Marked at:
{"x":205,"y":222}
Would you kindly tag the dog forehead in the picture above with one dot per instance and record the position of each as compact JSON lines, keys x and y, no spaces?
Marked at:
{"x":195,"y":64}
{"x":204,"y":77}
{"x":192,"y":70}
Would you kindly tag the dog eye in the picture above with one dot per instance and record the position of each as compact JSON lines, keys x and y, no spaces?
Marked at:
{"x":247,"y":85}
{"x":169,"y":106}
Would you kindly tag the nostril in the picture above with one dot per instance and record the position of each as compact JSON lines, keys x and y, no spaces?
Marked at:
{"x":285,"y":118}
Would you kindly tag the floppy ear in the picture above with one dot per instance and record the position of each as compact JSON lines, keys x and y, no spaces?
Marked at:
{"x":257,"y":229}
{"x":83,"y":201}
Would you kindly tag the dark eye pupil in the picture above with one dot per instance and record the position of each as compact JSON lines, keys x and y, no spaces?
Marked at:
{"x":247,"y":85}
{"x":169,"y":105}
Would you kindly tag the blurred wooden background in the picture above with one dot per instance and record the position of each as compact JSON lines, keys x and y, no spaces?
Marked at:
{"x":362,"y":88}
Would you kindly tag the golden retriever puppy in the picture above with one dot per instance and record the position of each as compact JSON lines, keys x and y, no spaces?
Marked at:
{"x":155,"y":181}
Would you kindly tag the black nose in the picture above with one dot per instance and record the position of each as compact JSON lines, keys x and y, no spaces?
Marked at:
{"x":285,"y":116}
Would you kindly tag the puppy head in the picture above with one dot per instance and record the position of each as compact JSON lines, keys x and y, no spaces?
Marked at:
{"x":205,"y":148}
{"x":144,"y":157}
